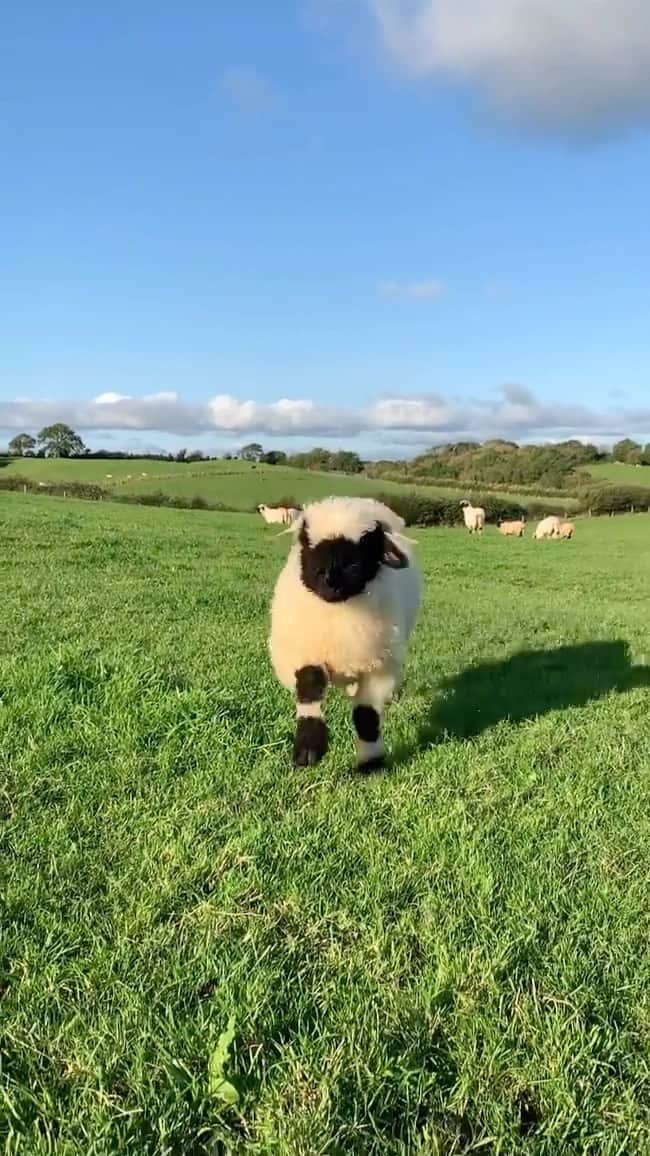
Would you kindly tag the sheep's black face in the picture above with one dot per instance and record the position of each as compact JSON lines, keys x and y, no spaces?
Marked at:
{"x":338,"y":568}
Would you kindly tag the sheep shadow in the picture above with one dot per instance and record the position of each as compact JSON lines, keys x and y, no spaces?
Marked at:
{"x":525,"y":686}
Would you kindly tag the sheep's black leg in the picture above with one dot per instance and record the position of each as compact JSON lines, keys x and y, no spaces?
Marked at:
{"x":311,"y":733}
{"x":373,"y":693}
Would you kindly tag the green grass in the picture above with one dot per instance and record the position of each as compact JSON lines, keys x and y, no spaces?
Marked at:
{"x":452,"y":957}
{"x":239,"y":485}
{"x":620,"y":473}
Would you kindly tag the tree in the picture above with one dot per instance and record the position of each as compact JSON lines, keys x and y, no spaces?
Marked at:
{"x":22,"y":444}
{"x":251,"y":452}
{"x":346,"y":462}
{"x":622,"y":450}
{"x":273,"y":458}
{"x":60,"y":441}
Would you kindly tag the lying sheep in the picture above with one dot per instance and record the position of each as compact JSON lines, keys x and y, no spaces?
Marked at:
{"x":343,"y":609}
{"x":548,"y":527}
{"x":512,"y":529}
{"x":473,"y":516}
{"x":565,"y":530}
{"x":273,"y":513}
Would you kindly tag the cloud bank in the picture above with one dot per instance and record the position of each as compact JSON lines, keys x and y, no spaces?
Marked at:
{"x":582,"y":65}
{"x":512,"y":412}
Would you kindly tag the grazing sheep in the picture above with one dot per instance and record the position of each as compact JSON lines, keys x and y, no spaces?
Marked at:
{"x":512,"y":529}
{"x":547,"y":528}
{"x":273,"y":513}
{"x":565,"y":530}
{"x":343,"y":610}
{"x":474,"y":517}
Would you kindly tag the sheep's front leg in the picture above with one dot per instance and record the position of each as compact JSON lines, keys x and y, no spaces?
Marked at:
{"x":311,"y":733}
{"x":373,"y":693}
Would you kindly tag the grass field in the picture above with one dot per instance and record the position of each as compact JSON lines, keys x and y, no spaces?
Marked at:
{"x":620,"y":473}
{"x":451,"y":957}
{"x":239,"y":485}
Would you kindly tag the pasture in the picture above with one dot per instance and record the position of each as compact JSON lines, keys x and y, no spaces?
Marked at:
{"x":449,"y":957}
{"x":237,"y":485}
{"x":619,"y":473}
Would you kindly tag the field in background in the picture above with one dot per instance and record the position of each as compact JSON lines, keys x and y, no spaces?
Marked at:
{"x":240,"y":485}
{"x":451,"y":957}
{"x":619,"y":473}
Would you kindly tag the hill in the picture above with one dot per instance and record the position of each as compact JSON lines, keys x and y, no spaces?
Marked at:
{"x":235,"y":484}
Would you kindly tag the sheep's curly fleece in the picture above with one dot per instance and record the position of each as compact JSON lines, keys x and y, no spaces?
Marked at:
{"x":359,"y":636}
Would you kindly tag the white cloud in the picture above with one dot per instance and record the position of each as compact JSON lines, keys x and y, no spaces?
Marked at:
{"x":564,"y":65}
{"x":418,"y":290}
{"x":110,"y":398}
{"x":513,"y":411}
{"x":248,"y":90}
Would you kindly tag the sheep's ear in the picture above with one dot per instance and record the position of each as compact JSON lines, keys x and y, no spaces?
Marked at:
{"x":393,"y":556}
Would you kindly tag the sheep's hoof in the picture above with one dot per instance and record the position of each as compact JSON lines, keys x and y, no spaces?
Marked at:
{"x":310,"y":744}
{"x":376,"y":764}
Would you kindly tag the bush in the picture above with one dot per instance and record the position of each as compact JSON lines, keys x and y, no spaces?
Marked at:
{"x":616,"y":499}
{"x":421,"y":510}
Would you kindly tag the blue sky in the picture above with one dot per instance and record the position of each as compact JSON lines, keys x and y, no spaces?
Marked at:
{"x":380,"y":222}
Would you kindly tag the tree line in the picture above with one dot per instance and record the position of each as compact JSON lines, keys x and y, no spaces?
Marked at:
{"x":496,"y":463}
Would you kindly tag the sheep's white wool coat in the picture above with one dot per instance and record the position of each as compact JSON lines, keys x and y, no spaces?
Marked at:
{"x":273,"y":513}
{"x":547,"y":527}
{"x":358,"y":636}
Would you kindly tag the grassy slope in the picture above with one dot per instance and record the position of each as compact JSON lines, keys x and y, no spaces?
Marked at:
{"x":452,"y":957}
{"x":236,"y":484}
{"x":620,"y":473}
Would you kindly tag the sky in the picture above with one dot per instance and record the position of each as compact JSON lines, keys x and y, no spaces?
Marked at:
{"x":379,"y":224}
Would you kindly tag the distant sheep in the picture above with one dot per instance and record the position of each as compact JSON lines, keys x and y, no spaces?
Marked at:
{"x":343,"y":610}
{"x":548,"y":527}
{"x":108,"y":475}
{"x":565,"y":530}
{"x":274,"y":514}
{"x":473,"y":516}
{"x":512,"y":529}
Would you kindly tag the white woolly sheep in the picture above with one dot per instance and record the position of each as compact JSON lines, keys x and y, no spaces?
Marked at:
{"x":548,"y":527}
{"x":273,"y":514}
{"x":343,"y":610}
{"x":473,"y":516}
{"x":512,"y":529}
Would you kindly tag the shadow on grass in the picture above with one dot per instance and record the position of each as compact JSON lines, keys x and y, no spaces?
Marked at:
{"x":525,"y":686}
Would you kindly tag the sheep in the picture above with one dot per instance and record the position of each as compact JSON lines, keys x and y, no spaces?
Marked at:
{"x":512,"y":529}
{"x":273,"y":513}
{"x":343,"y":610}
{"x":108,"y":475}
{"x":547,"y":528}
{"x":474,"y":517}
{"x":565,"y":530}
